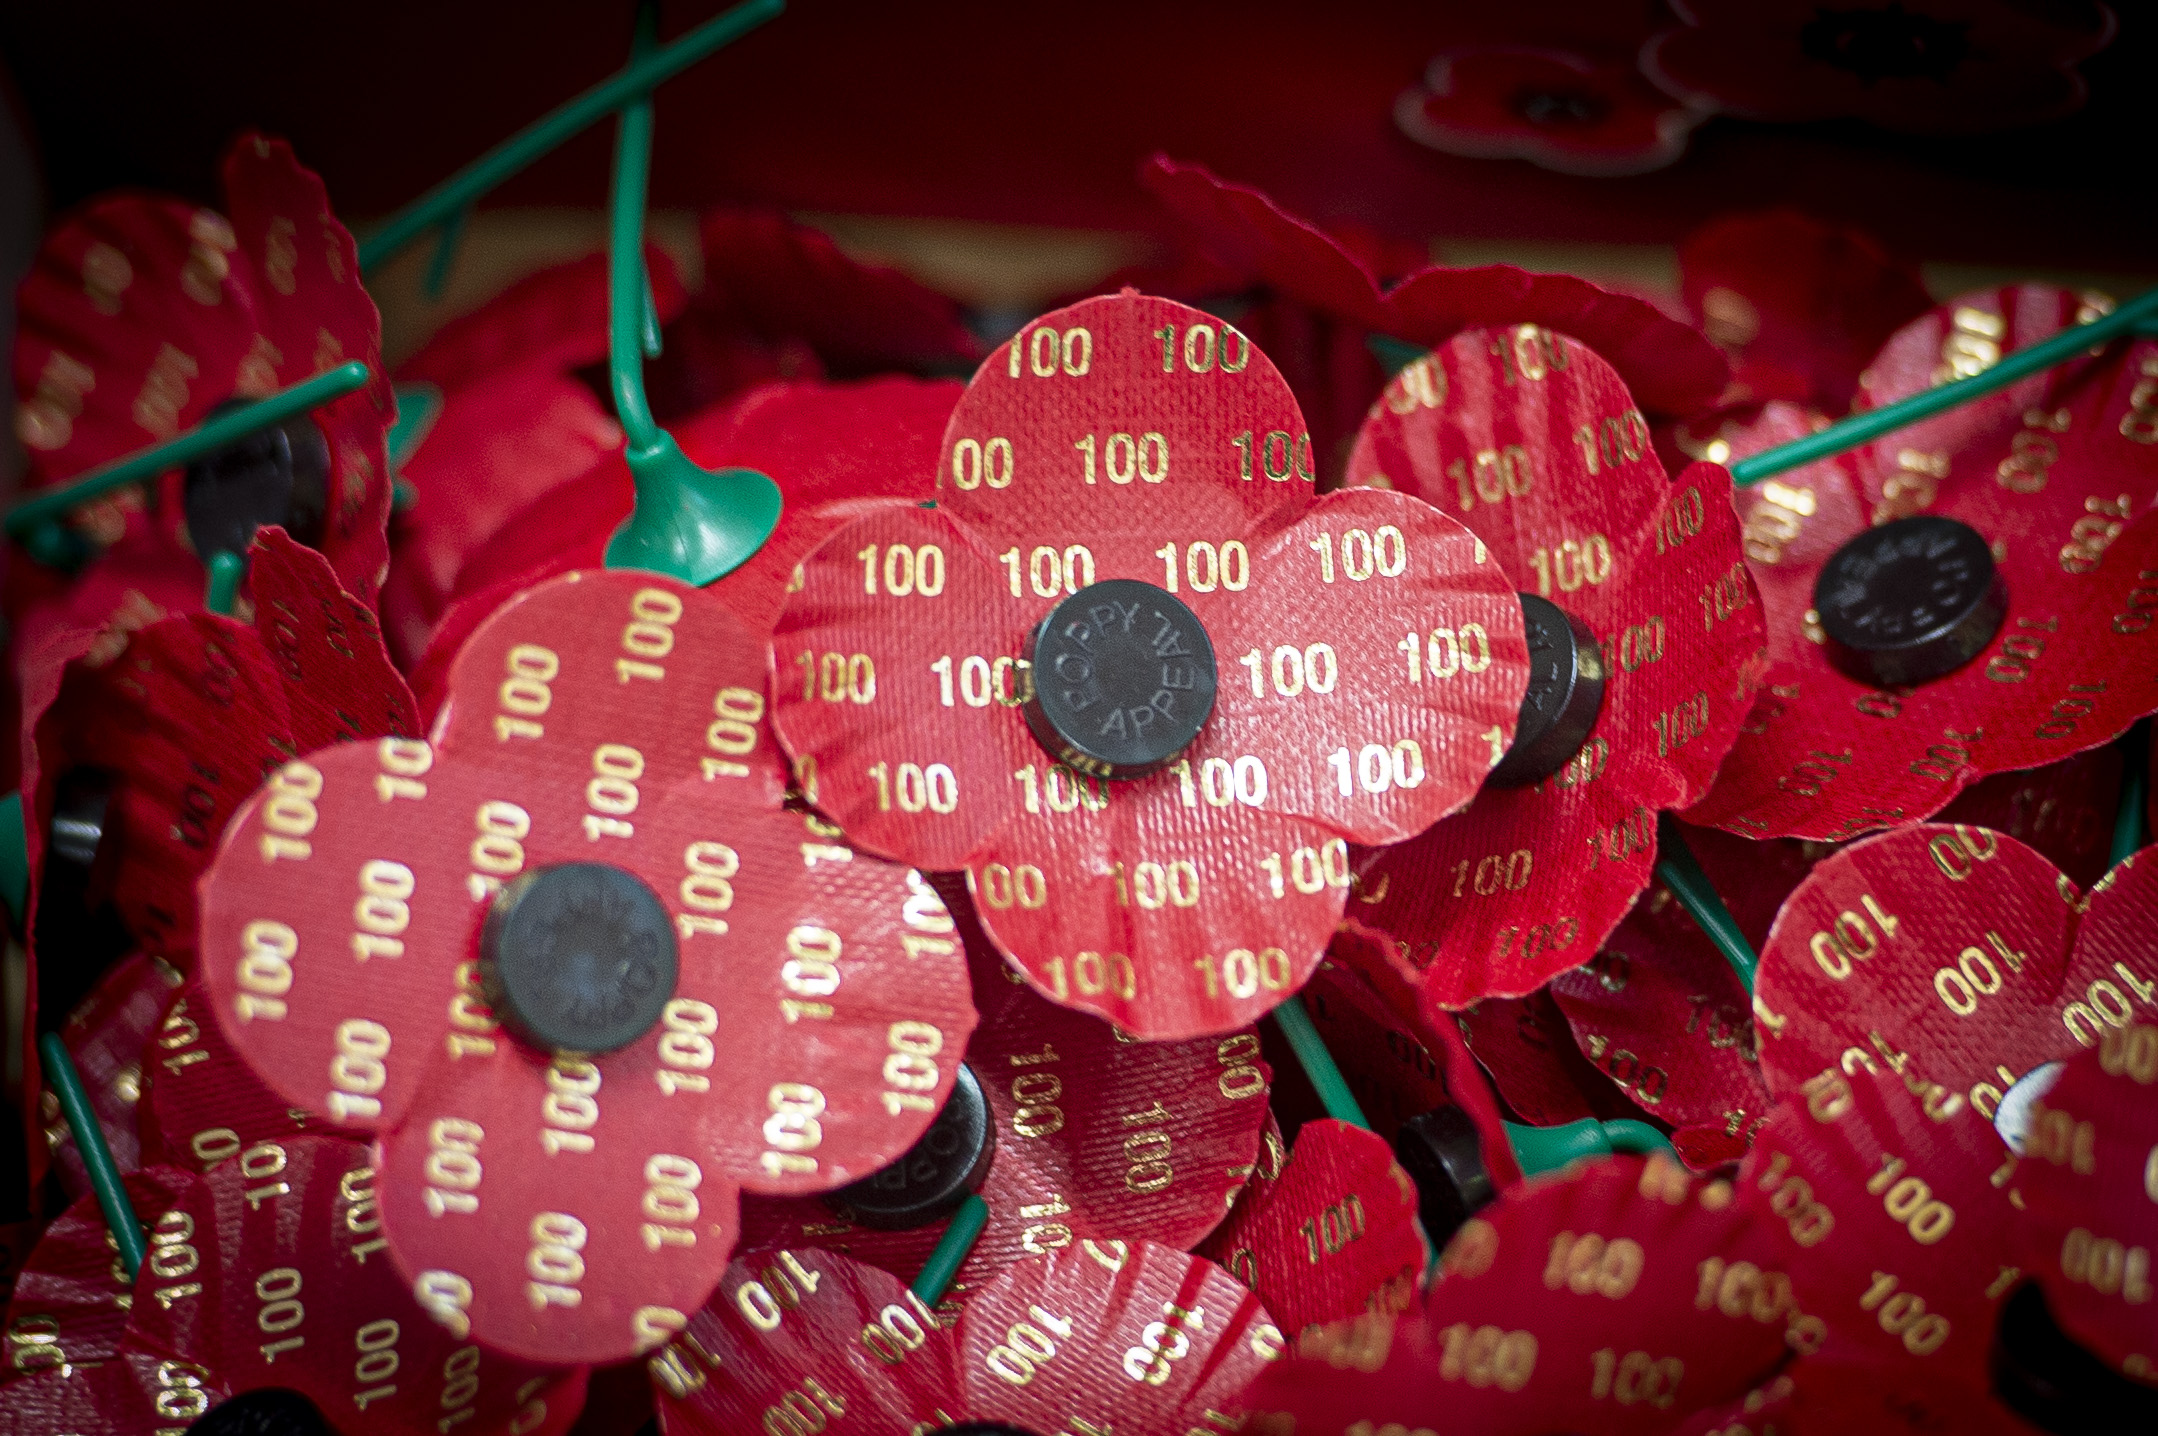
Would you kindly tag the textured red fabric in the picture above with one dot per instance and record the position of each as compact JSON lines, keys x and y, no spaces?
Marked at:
{"x":1970,"y":67}
{"x":1526,"y":1047}
{"x":123,"y":1397}
{"x":298,"y":1221}
{"x":1800,"y":305}
{"x":200,"y":1102}
{"x":1553,"y":471}
{"x":2052,"y":470}
{"x":2086,"y":1180}
{"x":1668,"y":367}
{"x":1893,"y":1213}
{"x":1097,"y":1136}
{"x":1263,"y":866}
{"x":143,"y":313}
{"x":1580,"y":114}
{"x":1616,"y":1297}
{"x":438,"y":828}
{"x":105,"y":1036}
{"x":1889,"y":950}
{"x":71,"y":1301}
{"x":1334,"y":1235}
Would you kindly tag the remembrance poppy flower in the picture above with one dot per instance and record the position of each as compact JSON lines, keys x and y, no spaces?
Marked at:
{"x":562,"y":859}
{"x":1122,"y":1336}
{"x":1331,"y":1235}
{"x":1956,"y":955}
{"x":1919,"y":66}
{"x":1151,"y":797}
{"x":2043,"y":480}
{"x":1618,"y":1296}
{"x":1668,"y":366}
{"x":1637,"y":591}
{"x":1559,"y":110}
{"x":1089,"y":1135}
{"x":144,"y":314}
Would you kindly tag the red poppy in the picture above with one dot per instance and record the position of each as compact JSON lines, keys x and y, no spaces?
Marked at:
{"x":814,"y":1089}
{"x":2050,"y":471}
{"x":826,"y":445}
{"x":104,"y":1036}
{"x":1617,"y":1297}
{"x":1801,"y":306}
{"x":2085,"y":1180}
{"x":70,"y":1305}
{"x":1959,"y":956}
{"x":1233,"y":858}
{"x":1095,"y":1137}
{"x":267,"y":1274}
{"x":1552,"y":469}
{"x":202,"y":1104}
{"x":1332,"y":1235}
{"x":1559,"y":110}
{"x":143,"y":314}
{"x":1919,"y":66}
{"x":1108,"y":1336}
{"x":1667,"y":365}
{"x":1889,"y":1201}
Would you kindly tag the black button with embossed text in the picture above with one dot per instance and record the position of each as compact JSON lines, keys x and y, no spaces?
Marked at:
{"x":579,"y":957}
{"x":1123,"y":679}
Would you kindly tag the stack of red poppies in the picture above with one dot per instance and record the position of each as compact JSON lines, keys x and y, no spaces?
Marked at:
{"x":1278,"y":628}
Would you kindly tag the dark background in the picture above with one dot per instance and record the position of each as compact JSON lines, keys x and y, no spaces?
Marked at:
{"x":1031,"y":115}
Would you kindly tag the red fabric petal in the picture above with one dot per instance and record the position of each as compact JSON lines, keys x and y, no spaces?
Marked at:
{"x":1097,"y":1137}
{"x":298,"y":1221}
{"x":1574,"y":113}
{"x":122,"y":1397}
{"x":2064,"y":810}
{"x":811,"y":1336}
{"x":1650,"y":567}
{"x":1124,"y":1335}
{"x":1800,"y":305}
{"x":1883,"y":1188}
{"x":1527,"y":1047}
{"x":1333,"y":1236}
{"x":105,"y":1036}
{"x":2085,"y":1186}
{"x":2056,"y":502}
{"x":1967,"y":994}
{"x":200,"y":1102}
{"x":71,"y":1299}
{"x":1668,"y":367}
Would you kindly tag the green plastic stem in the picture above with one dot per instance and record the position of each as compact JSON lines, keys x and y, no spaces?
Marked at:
{"x":460,"y":190}
{"x":96,"y":1156}
{"x":50,"y":506}
{"x":14,"y":858}
{"x":1849,"y":433}
{"x":1318,"y":1063}
{"x":224,"y":591}
{"x":1676,"y":867}
{"x":447,"y":239}
{"x":1546,"y":1149}
{"x":951,"y":1252}
{"x":2128,"y":821}
{"x":628,"y":292}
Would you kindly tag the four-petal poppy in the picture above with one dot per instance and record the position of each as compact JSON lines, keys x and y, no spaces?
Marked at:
{"x":1127,"y":482}
{"x":1575,"y":113}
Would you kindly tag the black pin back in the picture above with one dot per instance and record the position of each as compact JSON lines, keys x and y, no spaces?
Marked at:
{"x":1565,"y":693}
{"x":579,"y":957}
{"x":1909,"y":601}
{"x":272,"y":1412}
{"x":1123,"y":679}
{"x":2047,"y":1378}
{"x":279,"y":475}
{"x":1442,"y":1154}
{"x":935,"y":1175}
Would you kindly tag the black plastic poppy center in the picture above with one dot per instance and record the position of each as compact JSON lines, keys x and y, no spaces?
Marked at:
{"x":1442,"y":1154}
{"x":1565,"y":693}
{"x":1909,"y":601}
{"x":934,"y":1175}
{"x":1123,"y":679}
{"x":1561,"y":109}
{"x":580,"y":957}
{"x":270,"y":1412}
{"x":279,"y":475}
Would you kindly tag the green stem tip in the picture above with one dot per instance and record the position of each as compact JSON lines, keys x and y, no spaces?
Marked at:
{"x":224,"y":590}
{"x":178,"y":452}
{"x":1848,"y":434}
{"x":1546,"y":1149}
{"x":1676,"y":867}
{"x":1318,"y":1063}
{"x":105,"y":1179}
{"x":951,"y":1251}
